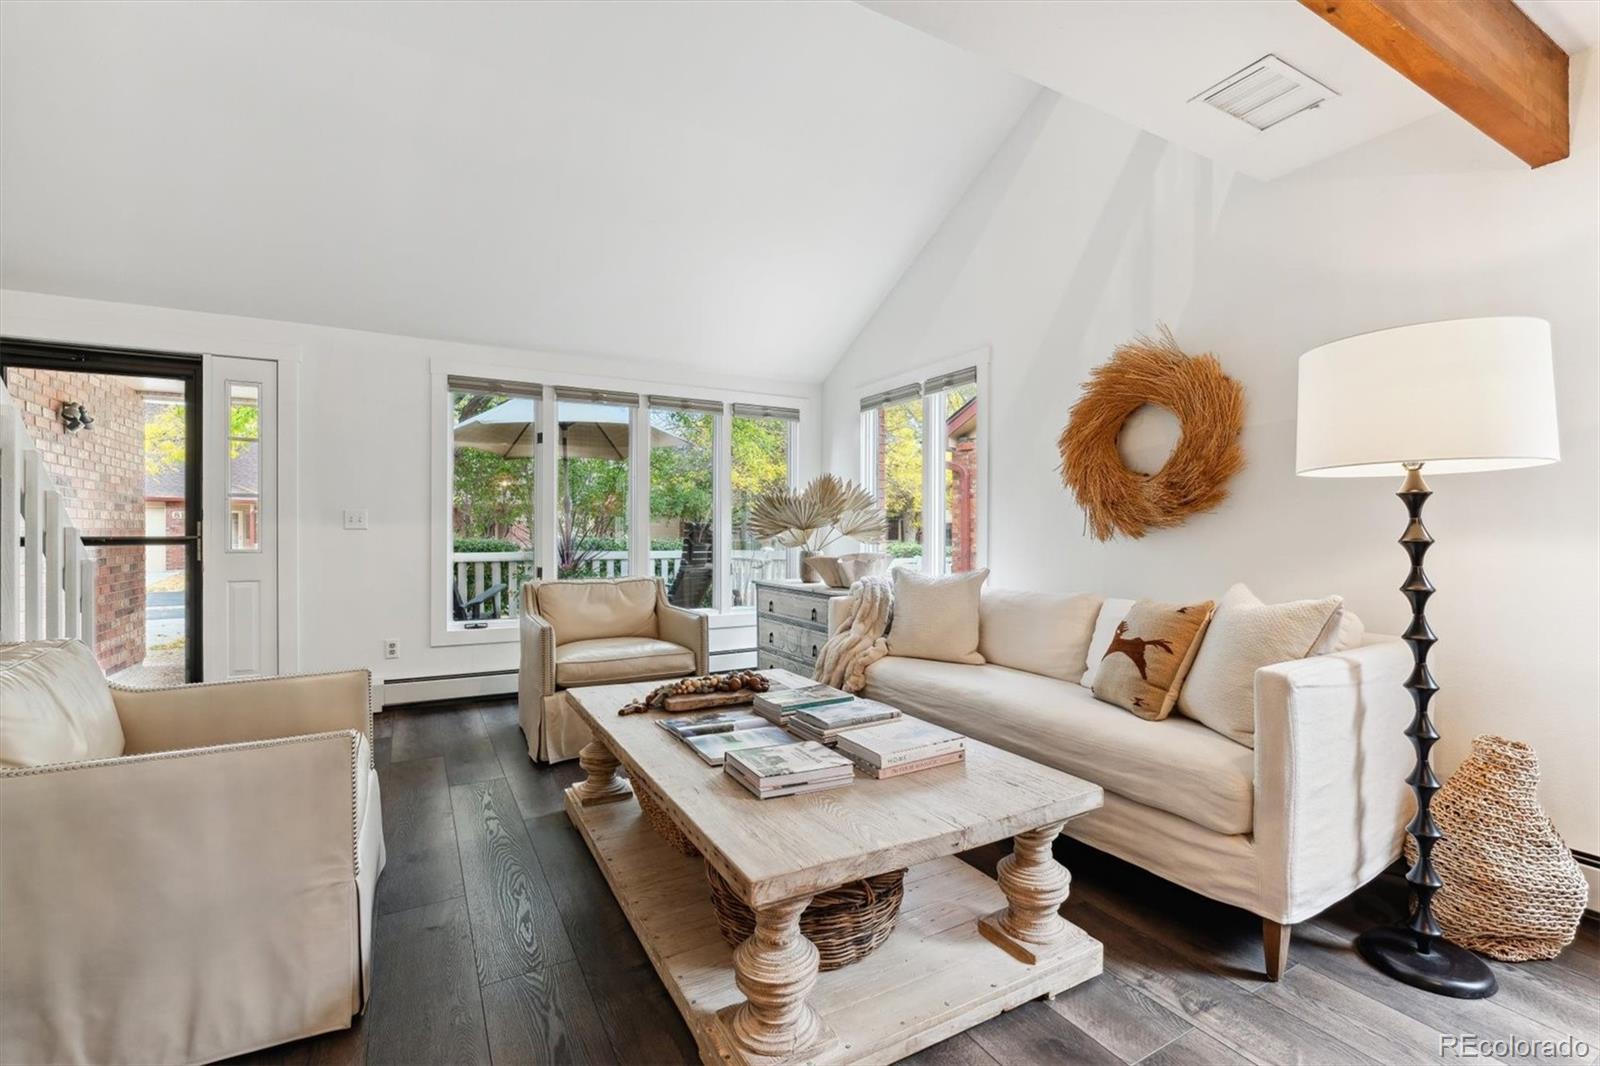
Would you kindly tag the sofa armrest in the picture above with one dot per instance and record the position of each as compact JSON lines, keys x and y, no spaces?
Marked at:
{"x":1331,"y":799}
{"x":838,"y":607}
{"x":233,"y":712}
{"x":536,"y":672}
{"x":692,"y":629}
{"x":205,"y":878}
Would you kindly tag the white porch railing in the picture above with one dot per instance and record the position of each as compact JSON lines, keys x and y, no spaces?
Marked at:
{"x":476,"y":572}
{"x":46,"y":574}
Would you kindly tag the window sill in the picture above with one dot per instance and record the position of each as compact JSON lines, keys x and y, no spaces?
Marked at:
{"x":498,"y":631}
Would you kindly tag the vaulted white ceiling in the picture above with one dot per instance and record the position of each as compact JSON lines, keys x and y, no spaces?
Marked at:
{"x":731,"y":186}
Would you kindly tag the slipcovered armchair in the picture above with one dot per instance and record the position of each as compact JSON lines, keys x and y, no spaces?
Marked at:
{"x":186,"y":873}
{"x":578,"y":633}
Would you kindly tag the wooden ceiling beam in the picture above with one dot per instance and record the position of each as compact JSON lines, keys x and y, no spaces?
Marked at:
{"x":1483,"y":59}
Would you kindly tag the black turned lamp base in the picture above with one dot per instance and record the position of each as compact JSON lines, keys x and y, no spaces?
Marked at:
{"x":1447,"y":970}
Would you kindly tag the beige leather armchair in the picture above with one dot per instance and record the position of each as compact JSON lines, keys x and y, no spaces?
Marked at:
{"x":186,"y":874}
{"x":578,"y":633}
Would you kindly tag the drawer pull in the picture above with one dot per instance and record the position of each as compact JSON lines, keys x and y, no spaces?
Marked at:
{"x":769,"y":607}
{"x":813,"y":651}
{"x":769,"y":638}
{"x":813,"y":614}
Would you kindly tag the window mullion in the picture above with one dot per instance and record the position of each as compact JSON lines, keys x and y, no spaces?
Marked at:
{"x":722,"y":510}
{"x":932,"y":485}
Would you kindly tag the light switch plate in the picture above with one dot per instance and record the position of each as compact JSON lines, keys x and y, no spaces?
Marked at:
{"x":355,"y":519}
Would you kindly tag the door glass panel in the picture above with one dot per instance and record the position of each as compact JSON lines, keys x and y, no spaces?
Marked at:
{"x":960,"y":407}
{"x":244,"y":466}
{"x":681,"y":550}
{"x":114,"y":445}
{"x":141,"y":613}
{"x":494,"y":437}
{"x":592,"y":482}
{"x":760,"y":463}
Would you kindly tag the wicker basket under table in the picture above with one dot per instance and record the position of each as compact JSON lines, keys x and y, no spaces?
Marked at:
{"x":846,"y":923}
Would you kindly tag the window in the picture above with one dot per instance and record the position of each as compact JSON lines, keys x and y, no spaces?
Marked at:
{"x":539,"y":482}
{"x":761,"y":440}
{"x":244,"y":467}
{"x":493,"y":436}
{"x":926,"y":438}
{"x":682,"y":497}
{"x":894,"y":463}
{"x":594,"y":430}
{"x":955,"y":398}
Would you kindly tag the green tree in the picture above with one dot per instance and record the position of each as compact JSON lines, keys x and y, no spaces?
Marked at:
{"x":166,"y":435}
{"x":900,"y":478}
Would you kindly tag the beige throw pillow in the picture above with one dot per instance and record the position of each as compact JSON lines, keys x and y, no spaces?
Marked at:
{"x":1149,"y":653}
{"x":1041,"y":632}
{"x":936,"y":617}
{"x":1246,"y":635}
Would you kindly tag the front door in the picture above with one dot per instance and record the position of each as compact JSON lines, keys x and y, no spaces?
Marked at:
{"x":240,"y":557}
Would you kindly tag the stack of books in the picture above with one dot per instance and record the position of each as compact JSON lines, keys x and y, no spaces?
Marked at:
{"x":779,"y":704}
{"x":901,"y":747}
{"x":712,"y":736}
{"x":825,"y":724}
{"x":788,"y":770}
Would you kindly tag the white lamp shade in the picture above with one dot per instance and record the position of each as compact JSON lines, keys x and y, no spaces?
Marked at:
{"x":1466,"y":395}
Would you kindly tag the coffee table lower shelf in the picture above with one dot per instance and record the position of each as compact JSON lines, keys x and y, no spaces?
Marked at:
{"x":935,"y":976}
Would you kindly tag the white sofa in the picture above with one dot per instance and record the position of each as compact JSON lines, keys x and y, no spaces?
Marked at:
{"x":1284,"y":830}
{"x":186,"y":874}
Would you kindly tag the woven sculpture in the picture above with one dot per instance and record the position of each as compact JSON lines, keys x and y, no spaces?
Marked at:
{"x":1210,"y":410}
{"x":1512,"y":890}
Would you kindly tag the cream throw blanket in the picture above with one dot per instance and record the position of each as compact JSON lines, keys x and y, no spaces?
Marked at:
{"x":859,"y":642}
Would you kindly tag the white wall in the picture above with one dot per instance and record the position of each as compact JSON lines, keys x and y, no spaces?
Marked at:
{"x":363,"y":442}
{"x":1084,"y":232}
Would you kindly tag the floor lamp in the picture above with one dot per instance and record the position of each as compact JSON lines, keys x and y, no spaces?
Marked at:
{"x":1455,"y":397}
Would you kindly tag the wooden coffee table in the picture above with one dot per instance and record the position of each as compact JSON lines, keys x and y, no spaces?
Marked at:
{"x":964,"y":949}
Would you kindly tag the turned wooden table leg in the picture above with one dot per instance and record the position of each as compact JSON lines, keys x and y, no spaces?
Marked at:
{"x":1036,"y":886}
{"x":776,"y":969}
{"x":604,"y":784}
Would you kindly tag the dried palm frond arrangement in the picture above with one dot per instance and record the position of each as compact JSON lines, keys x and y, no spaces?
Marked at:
{"x":827,"y":510}
{"x":1210,"y":410}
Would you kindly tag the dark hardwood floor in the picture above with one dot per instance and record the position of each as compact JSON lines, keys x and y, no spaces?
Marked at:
{"x":497,"y":940}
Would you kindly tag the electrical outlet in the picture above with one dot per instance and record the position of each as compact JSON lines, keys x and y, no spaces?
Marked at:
{"x":355,"y":519}
{"x":391,"y":649}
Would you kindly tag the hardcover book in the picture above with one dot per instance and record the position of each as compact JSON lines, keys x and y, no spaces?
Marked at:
{"x":793,"y":760}
{"x":901,"y":741}
{"x":840,"y":716}
{"x":713,"y":747}
{"x":780,"y":703}
{"x":696,"y":725}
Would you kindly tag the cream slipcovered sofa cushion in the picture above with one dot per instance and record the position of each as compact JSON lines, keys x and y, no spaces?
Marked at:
{"x":606,"y":659}
{"x":1245,"y":635}
{"x":584,"y":610}
{"x":1175,"y":765}
{"x":1040,"y":632}
{"x":936,"y":617}
{"x":54,"y":705}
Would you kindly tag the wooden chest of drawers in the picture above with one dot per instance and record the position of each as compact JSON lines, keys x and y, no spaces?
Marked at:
{"x":791,"y":624}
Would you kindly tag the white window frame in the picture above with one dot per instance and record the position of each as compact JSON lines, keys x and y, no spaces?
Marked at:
{"x":933,"y":516}
{"x":443,"y":630}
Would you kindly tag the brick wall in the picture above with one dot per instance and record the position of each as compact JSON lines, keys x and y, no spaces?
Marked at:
{"x":100,"y":472}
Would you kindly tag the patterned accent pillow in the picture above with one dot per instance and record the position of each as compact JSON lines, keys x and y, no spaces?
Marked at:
{"x":1149,"y":654}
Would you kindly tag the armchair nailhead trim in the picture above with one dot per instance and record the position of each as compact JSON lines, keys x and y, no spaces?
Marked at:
{"x":372,"y":740}
{"x":187,"y":753}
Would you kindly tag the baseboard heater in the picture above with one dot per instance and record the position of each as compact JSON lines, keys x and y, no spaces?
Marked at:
{"x":399,"y":690}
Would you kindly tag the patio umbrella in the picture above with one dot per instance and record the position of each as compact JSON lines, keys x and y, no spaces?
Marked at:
{"x":588,"y":431}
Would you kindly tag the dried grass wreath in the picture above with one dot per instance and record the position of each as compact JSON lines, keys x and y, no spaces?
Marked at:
{"x":1210,"y":410}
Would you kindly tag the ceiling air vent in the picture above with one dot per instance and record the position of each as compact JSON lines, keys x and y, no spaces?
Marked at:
{"x":1265,"y":93}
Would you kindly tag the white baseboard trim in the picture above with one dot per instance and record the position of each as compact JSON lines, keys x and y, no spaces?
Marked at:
{"x":401,"y":690}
